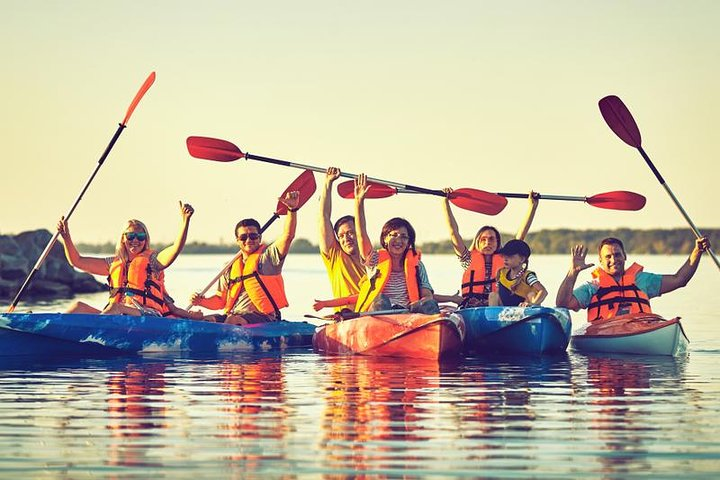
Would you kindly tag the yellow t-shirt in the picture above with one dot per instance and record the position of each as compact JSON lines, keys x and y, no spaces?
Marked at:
{"x":344,"y":271}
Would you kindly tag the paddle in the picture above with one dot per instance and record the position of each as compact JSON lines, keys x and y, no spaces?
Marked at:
{"x":223,"y":151}
{"x":143,"y":89}
{"x":617,"y":200}
{"x":305,"y":185}
{"x":621,"y":121}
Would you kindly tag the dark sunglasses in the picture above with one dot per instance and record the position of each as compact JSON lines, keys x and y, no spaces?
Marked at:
{"x":141,"y":236}
{"x":251,"y":236}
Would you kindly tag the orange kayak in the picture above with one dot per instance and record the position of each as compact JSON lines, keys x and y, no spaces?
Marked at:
{"x":409,"y":335}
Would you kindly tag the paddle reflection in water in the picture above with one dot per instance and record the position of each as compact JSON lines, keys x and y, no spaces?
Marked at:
{"x":135,"y":408}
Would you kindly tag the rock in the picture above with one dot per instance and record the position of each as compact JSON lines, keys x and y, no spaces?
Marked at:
{"x":55,"y":278}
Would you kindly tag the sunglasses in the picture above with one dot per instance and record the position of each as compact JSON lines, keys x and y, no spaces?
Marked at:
{"x":140,"y":236}
{"x":251,"y":236}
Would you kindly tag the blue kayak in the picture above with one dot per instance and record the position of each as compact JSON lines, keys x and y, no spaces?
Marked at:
{"x":87,"y":334}
{"x":525,"y":330}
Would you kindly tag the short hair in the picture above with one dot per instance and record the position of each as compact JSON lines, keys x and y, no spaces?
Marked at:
{"x":485,"y":229}
{"x":394,"y":224}
{"x":342,"y":220}
{"x":611,"y":241}
{"x":247,"y":222}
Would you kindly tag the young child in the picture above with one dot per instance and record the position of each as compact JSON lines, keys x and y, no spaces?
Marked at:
{"x":517,"y":286}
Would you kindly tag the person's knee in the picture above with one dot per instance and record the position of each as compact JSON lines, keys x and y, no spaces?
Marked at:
{"x":427,"y":306}
{"x":494,"y":300}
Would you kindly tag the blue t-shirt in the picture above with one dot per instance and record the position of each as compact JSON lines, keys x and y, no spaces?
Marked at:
{"x":645,"y":281}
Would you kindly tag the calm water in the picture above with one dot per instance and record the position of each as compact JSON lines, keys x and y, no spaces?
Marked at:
{"x":301,"y":415}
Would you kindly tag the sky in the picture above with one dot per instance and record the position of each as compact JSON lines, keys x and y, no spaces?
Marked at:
{"x":498,"y":96}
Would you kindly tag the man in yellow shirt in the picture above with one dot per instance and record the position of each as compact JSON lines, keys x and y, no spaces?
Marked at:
{"x":338,"y":246}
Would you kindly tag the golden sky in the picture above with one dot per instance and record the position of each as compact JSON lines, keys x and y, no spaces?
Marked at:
{"x":499,"y":96}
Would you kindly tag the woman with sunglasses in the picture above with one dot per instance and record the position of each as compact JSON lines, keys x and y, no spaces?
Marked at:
{"x":396,"y":278}
{"x":135,"y":273}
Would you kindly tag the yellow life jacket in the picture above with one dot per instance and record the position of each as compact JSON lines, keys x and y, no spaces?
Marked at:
{"x":475,"y":278}
{"x":370,"y":289}
{"x":137,"y":279}
{"x":617,"y":298}
{"x":267,"y":292}
{"x":513,"y":292}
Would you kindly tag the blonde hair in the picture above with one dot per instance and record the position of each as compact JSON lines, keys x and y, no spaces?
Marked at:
{"x":120,"y":250}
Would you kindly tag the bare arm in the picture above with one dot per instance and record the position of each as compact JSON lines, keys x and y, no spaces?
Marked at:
{"x":168,"y":255}
{"x":687,"y":270}
{"x":292,"y":200}
{"x":457,"y":241}
{"x":565,"y":297}
{"x":348,"y":301}
{"x":534,"y":199}
{"x":364,"y":242}
{"x":94,"y":265}
{"x":327,"y":235}
{"x":536,"y":297}
{"x":216,"y":302}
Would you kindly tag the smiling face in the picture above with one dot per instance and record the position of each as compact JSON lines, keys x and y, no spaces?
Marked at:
{"x":397,"y":241}
{"x":612,"y":259}
{"x":248,"y":239}
{"x":134,"y":240}
{"x":346,"y":238}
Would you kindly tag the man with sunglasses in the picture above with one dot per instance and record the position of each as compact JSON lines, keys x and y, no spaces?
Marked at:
{"x":252,"y":290}
{"x":338,"y":248}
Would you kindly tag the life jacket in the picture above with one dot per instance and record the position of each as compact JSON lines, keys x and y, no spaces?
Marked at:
{"x":137,"y":279}
{"x":370,"y":289}
{"x":512,"y":292}
{"x":267,"y":292}
{"x":613,"y":298}
{"x":475,"y":278}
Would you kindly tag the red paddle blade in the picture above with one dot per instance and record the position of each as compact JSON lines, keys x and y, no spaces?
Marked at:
{"x":478,"y":201}
{"x":620,"y":120}
{"x":138,"y":96}
{"x":376,"y":190}
{"x":213,"y":149}
{"x":618,"y":200}
{"x":305,"y":185}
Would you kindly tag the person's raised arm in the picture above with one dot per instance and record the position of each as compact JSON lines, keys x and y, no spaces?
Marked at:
{"x":364,"y":243}
{"x":327,"y":234}
{"x":687,"y":270}
{"x":291,"y":200}
{"x":457,"y":241}
{"x":534,"y":199}
{"x":94,"y":265}
{"x":168,"y":255}
{"x":565,"y":297}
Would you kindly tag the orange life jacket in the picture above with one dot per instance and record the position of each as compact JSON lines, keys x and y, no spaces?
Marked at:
{"x":267,"y":292}
{"x":374,"y":286}
{"x":137,"y":279}
{"x":475,"y":278}
{"x":617,"y":298}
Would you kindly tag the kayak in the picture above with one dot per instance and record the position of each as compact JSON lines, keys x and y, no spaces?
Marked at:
{"x":639,"y":333}
{"x":407,"y":335}
{"x":91,"y":334}
{"x":523,"y":330}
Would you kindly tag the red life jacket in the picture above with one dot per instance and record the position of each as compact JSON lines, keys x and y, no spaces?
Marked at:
{"x":617,"y":298}
{"x":374,"y":286}
{"x":475,"y":278}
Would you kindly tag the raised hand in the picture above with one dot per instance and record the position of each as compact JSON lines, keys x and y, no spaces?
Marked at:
{"x":332,"y":174}
{"x":579,"y":252}
{"x":361,"y":187}
{"x":291,"y":199}
{"x":186,"y":210}
{"x":62,"y":227}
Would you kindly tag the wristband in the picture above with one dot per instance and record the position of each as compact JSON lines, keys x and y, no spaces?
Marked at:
{"x":293,"y":209}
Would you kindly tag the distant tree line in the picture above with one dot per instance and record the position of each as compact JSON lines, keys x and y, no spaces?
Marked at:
{"x":656,"y":241}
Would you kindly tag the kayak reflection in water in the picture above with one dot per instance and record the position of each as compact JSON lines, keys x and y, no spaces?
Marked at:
{"x":135,"y":273}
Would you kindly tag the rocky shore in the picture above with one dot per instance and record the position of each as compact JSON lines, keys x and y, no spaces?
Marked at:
{"x":55,"y":279}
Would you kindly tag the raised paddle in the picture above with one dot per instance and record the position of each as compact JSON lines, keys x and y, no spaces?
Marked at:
{"x":621,"y":121}
{"x":305,"y":186}
{"x":617,"y":200}
{"x":143,"y":89}
{"x":223,"y":151}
